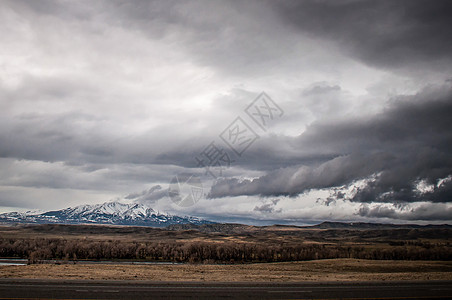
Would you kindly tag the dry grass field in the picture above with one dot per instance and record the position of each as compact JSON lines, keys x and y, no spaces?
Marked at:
{"x":317,"y":270}
{"x":229,"y":252}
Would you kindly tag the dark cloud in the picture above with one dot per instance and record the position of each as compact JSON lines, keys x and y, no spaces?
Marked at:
{"x":425,"y":212}
{"x":149,"y":196}
{"x":78,"y":138}
{"x":322,"y":89}
{"x":292,"y":181}
{"x":388,"y":34}
{"x":408,"y":142}
{"x":244,"y":39}
{"x":268,"y":207}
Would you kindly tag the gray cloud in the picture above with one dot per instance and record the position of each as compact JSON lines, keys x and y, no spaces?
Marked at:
{"x":410,"y":141}
{"x":292,"y":181}
{"x":321,"y":89}
{"x":268,"y":207}
{"x":149,"y":196}
{"x":426,"y":212}
{"x":98,"y":99}
{"x":390,"y":34}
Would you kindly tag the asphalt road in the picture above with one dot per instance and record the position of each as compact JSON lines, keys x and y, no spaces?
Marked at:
{"x":77,"y":289}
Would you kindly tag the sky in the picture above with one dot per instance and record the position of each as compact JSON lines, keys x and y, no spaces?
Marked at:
{"x":289,"y":112}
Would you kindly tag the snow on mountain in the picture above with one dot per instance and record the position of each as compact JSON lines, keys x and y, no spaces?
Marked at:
{"x":115,"y":213}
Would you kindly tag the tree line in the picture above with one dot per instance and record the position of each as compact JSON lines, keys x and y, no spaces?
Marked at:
{"x":40,"y":249}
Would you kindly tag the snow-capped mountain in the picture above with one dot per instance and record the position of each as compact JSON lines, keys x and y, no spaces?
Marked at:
{"x":115,"y":213}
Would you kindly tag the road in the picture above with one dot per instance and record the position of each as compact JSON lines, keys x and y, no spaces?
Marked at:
{"x":78,"y":289}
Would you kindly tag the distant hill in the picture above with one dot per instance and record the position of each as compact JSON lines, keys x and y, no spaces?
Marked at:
{"x":362,"y":225}
{"x":230,"y":228}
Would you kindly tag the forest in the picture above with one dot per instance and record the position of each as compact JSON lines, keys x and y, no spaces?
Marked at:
{"x":40,"y":243}
{"x":37,"y":250}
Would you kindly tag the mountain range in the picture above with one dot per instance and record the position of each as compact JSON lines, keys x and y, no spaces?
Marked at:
{"x":113,"y":213}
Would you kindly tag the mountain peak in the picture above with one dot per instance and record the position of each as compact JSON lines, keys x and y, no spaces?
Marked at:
{"x":114,"y":213}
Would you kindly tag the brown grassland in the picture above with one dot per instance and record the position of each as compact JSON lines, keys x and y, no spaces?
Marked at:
{"x":228,"y":252}
{"x":317,"y":270}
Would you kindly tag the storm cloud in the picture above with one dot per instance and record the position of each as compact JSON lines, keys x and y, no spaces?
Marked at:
{"x":408,"y":142}
{"x":389,"y":34}
{"x":110,"y":100}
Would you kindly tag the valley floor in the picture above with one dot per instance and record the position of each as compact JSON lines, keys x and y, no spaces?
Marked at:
{"x":317,"y":270}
